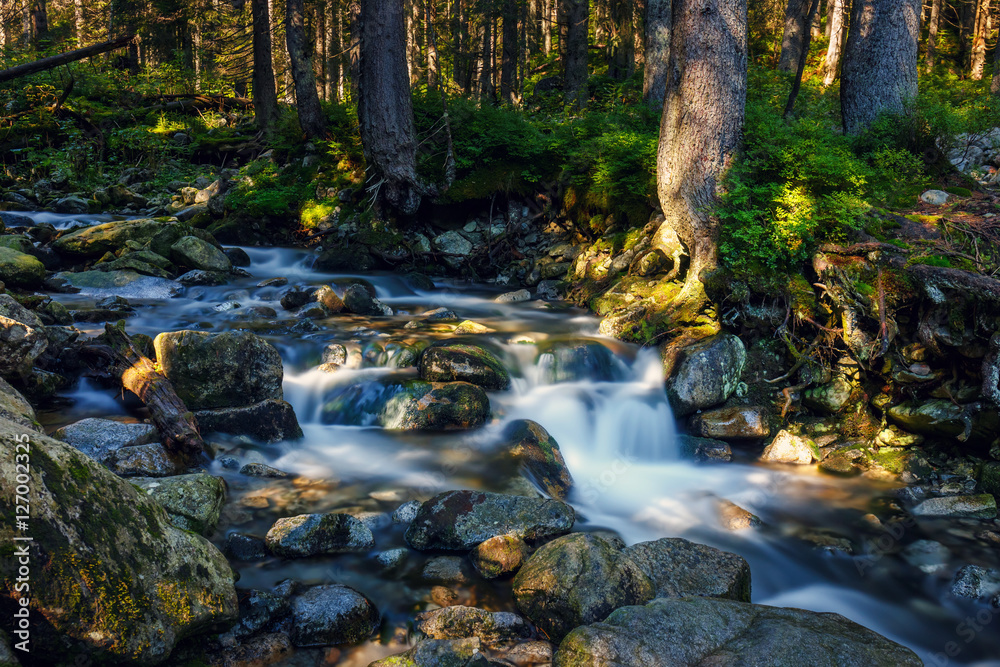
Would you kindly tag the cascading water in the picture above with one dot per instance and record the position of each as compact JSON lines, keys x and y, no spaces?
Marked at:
{"x":604,"y":403}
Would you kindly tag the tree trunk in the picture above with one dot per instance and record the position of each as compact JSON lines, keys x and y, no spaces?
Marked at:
{"x":879,"y":74}
{"x":548,"y":14}
{"x":300,"y":61}
{"x":487,"y":88}
{"x":39,"y":19}
{"x":966,"y":26}
{"x":797,"y":24}
{"x":800,"y":68}
{"x":827,"y":28}
{"x":833,"y":50}
{"x":78,"y":21}
{"x":63,"y":58}
{"x":932,"y":33}
{"x":331,"y":13}
{"x":265,"y":97}
{"x":385,"y":107}
{"x":576,"y":15}
{"x":639,"y":32}
{"x":995,"y":82}
{"x":702,"y":124}
{"x":26,"y":24}
{"x":508,"y":65}
{"x":982,"y":33}
{"x":654,"y":85}
{"x":430,"y":39}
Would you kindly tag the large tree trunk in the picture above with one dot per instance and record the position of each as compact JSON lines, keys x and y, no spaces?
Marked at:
{"x":654,"y":86}
{"x":331,"y":12}
{"x":385,"y":108}
{"x":576,"y":14}
{"x":430,"y":40}
{"x":800,"y":68}
{"x":265,"y":96}
{"x":306,"y":98}
{"x":487,"y":87}
{"x":966,"y":26}
{"x":995,"y":82}
{"x":702,"y":124}
{"x":932,"y":33}
{"x":835,"y":21}
{"x":548,"y":21}
{"x":39,"y":19}
{"x":797,"y":24}
{"x":508,"y":64}
{"x":982,"y":33}
{"x":64,"y":58}
{"x":355,"y":51}
{"x":879,"y":74}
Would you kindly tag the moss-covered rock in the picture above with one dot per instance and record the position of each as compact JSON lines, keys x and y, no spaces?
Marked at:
{"x":193,"y":252}
{"x":464,"y":363}
{"x":330,"y":615}
{"x":499,"y":555}
{"x":268,"y":421}
{"x":458,"y":621}
{"x":15,"y":408}
{"x":20,"y":269}
{"x":539,"y":456}
{"x":314,"y":534}
{"x":108,"y":237}
{"x":680,"y":568}
{"x":704,"y":374}
{"x":426,"y":406}
{"x":435,"y":653}
{"x":193,"y":502}
{"x":111,"y":577}
{"x":703,"y":631}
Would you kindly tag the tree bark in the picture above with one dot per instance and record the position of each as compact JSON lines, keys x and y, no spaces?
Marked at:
{"x":548,"y":14}
{"x":78,"y":21}
{"x":803,"y":57}
{"x":176,"y":424}
{"x":430,"y":39}
{"x":932,"y":33}
{"x":702,"y":124}
{"x":64,"y":58}
{"x":355,"y":52}
{"x":576,"y":14}
{"x":487,"y":88}
{"x":982,"y":33}
{"x":39,"y":19}
{"x":331,"y":11}
{"x":654,"y":86}
{"x":385,"y":107}
{"x":508,"y":64}
{"x":797,"y":24}
{"x":265,"y":96}
{"x":995,"y":82}
{"x":879,"y":74}
{"x":300,"y":61}
{"x":835,"y":21}
{"x":966,"y":26}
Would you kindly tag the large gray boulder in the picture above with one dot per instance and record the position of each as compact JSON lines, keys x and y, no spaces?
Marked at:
{"x":705,"y":631}
{"x":196,"y":253}
{"x":112,"y":578}
{"x":220,"y":370}
{"x":100,"y":438}
{"x":194,"y":502}
{"x":108,"y":237}
{"x":705,"y":373}
{"x":460,"y":520}
{"x":334,"y":614}
{"x":680,"y":568}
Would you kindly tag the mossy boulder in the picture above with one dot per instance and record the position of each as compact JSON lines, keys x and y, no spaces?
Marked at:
{"x":578,"y":579}
{"x":193,"y":502}
{"x":704,"y":631}
{"x":20,"y":269}
{"x":109,"y":237}
{"x":436,"y":653}
{"x":15,"y":408}
{"x":333,"y":614}
{"x":111,"y":577}
{"x":703,"y":374}
{"x":539,"y":456}
{"x":461,"y":520}
{"x":680,"y":568}
{"x":268,"y":421}
{"x":17,"y":242}
{"x":315,"y":534}
{"x":464,"y":363}
{"x":499,"y":555}
{"x":194,"y":253}
{"x":459,"y":621}
{"x":446,"y":406}
{"x":220,"y":370}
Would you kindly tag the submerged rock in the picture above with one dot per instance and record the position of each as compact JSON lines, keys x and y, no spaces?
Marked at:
{"x":982,"y":506}
{"x":314,"y":534}
{"x":578,"y":579}
{"x":705,"y":373}
{"x":193,"y":502}
{"x":269,"y":421}
{"x":573,"y":361}
{"x":461,"y":520}
{"x":679,"y":568}
{"x":428,"y":406}
{"x":220,"y":370}
{"x":331,"y":615}
{"x":128,"y":284}
{"x":464,"y":363}
{"x":704,"y":449}
{"x":120,"y":583}
{"x":539,"y":456}
{"x":703,"y":631}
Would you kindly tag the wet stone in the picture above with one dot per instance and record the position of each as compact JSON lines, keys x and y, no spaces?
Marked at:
{"x":789,"y":448}
{"x":464,"y":363}
{"x":193,"y":502}
{"x":974,"y":582}
{"x":982,"y":506}
{"x":314,"y":534}
{"x":242,"y":547}
{"x":99,"y":438}
{"x":407,"y":512}
{"x":151,"y":460}
{"x":447,"y":570}
{"x":731,"y":424}
{"x":499,"y":555}
{"x":456,"y":622}
{"x":680,"y":568}
{"x":332,"y":615}
{"x":539,"y":456}
{"x":263,"y":470}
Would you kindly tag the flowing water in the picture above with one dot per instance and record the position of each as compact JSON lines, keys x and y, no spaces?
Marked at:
{"x":604,"y":403}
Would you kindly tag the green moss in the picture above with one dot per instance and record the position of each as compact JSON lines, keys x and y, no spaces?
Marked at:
{"x":959,"y":192}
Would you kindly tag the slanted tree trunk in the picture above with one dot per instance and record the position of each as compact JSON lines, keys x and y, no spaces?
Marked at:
{"x":932,"y":33}
{"x":797,"y":24}
{"x":879,"y":74}
{"x":982,"y":33}
{"x":265,"y":96}
{"x":63,"y":58}
{"x":508,"y":63}
{"x":835,"y":21}
{"x":702,"y":125}
{"x":576,"y":15}
{"x":300,"y":61}
{"x":385,"y":108}
{"x":654,"y":86}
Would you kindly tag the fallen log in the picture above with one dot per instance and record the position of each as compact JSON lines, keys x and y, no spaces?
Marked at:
{"x":199,"y":103}
{"x":176,"y":424}
{"x":63,"y":58}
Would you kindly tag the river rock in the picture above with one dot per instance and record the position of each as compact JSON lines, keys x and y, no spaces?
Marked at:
{"x":315,"y":534}
{"x":539,"y":456}
{"x":741,"y":423}
{"x":152,"y":460}
{"x":437,"y":653}
{"x":447,"y":571}
{"x":426,"y":406}
{"x":789,"y":448}
{"x":705,"y":631}
{"x":829,"y":398}
{"x":359,"y":301}
{"x":207,"y":278}
{"x":20,"y":345}
{"x":457,"y":622}
{"x":932,"y":418}
{"x":72,"y":205}
{"x":974,"y":582}
{"x":461,"y":520}
{"x":20,"y":270}
{"x":578,"y":579}
{"x":127,"y":284}
{"x":259,"y":609}
{"x":193,"y":502}
{"x":194,"y":253}
{"x":464,"y":363}
{"x":329,"y":299}
{"x":704,"y":449}
{"x":108,"y":237}
{"x":679,"y":568}
{"x":455,"y":246}
{"x":21,"y":244}
{"x":354,"y":258}
{"x":9,"y":307}
{"x":221,"y":370}
{"x":499,"y":555}
{"x":119,"y":582}
{"x":514,"y":297}
{"x":239,"y":257}
{"x":15,"y":408}
{"x":333,"y":614}
{"x":263,"y":470}
{"x":982,"y":506}
{"x":572,"y":361}
{"x":100,"y":438}
{"x":243,"y":547}
{"x":705,"y":373}
{"x":269,"y":421}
